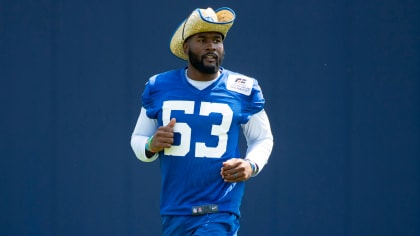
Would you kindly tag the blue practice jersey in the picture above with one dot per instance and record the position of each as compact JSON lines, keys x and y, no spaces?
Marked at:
{"x":207,"y":129}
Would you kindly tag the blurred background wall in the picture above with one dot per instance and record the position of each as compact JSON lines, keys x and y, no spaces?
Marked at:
{"x":341,"y":80}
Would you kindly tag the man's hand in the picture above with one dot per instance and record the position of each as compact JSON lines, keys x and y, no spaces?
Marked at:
{"x":163,"y":137}
{"x":236,"y":170}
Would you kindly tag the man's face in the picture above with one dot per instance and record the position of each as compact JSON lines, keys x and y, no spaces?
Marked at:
{"x":206,"y":52}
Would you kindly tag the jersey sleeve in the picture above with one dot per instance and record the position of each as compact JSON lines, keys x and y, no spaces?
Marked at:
{"x":147,"y":98}
{"x":254,"y":103}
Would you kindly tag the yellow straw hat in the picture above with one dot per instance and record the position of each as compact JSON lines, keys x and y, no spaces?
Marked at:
{"x":201,"y":20}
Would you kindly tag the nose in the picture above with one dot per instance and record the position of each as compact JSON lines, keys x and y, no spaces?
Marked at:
{"x":211,"y":46}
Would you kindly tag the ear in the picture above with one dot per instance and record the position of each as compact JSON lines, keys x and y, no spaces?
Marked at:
{"x":185,"y":47}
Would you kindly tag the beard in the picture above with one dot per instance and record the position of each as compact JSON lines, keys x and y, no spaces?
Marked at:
{"x":198,"y":63}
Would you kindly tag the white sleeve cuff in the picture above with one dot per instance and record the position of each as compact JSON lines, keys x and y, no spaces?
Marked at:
{"x":138,"y":144}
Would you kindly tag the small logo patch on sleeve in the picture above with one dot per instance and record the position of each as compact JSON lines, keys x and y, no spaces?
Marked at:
{"x":240,"y":84}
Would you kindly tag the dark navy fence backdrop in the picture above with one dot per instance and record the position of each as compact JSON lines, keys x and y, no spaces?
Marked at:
{"x":341,"y":79}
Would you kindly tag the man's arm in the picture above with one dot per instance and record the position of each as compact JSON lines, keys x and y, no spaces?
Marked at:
{"x":145,"y":128}
{"x":259,"y":139}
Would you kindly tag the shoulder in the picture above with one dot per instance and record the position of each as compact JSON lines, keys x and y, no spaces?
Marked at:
{"x":234,"y":73}
{"x":240,"y":83}
{"x":167,"y":76}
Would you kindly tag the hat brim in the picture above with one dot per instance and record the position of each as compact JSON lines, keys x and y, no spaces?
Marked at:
{"x":197,"y":23}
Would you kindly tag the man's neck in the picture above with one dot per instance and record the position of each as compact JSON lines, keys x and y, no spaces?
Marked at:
{"x":194,"y":74}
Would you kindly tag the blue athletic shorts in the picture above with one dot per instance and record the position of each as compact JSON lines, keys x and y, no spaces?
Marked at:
{"x":194,"y":225}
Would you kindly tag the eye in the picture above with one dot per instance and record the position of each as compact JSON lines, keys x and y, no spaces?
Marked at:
{"x":217,"y":39}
